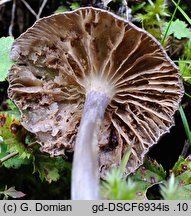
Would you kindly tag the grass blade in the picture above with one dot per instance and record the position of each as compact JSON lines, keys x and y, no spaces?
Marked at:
{"x":183,"y":61}
{"x":185,"y":123}
{"x":125,"y":160}
{"x":168,"y":27}
{"x":182,"y":12}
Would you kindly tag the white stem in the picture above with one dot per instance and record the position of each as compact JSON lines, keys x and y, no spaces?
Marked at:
{"x":85,"y":176}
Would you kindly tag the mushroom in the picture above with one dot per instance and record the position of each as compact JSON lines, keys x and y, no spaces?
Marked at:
{"x":91,"y":82}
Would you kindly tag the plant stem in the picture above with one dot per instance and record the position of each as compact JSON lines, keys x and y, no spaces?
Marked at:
{"x":168,"y":27}
{"x":7,"y":157}
{"x":13,"y":154}
{"x":85,"y":176}
{"x":182,"y":12}
{"x":185,"y":123}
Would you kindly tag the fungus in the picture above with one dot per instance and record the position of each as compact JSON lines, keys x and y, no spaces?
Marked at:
{"x":91,"y":82}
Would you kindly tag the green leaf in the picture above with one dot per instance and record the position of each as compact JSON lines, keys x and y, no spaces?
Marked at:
{"x":5,"y":61}
{"x":48,"y":167}
{"x":11,"y":192}
{"x":179,"y":29}
{"x":14,"y":162}
{"x":13,"y":134}
{"x":170,"y":22}
{"x":182,"y":173}
{"x":61,"y":9}
{"x":11,"y":105}
{"x":182,"y":170}
{"x":135,"y":187}
{"x":75,"y":5}
{"x":149,"y":174}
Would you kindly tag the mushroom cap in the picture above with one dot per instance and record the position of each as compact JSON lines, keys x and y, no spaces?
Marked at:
{"x":64,"y":56}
